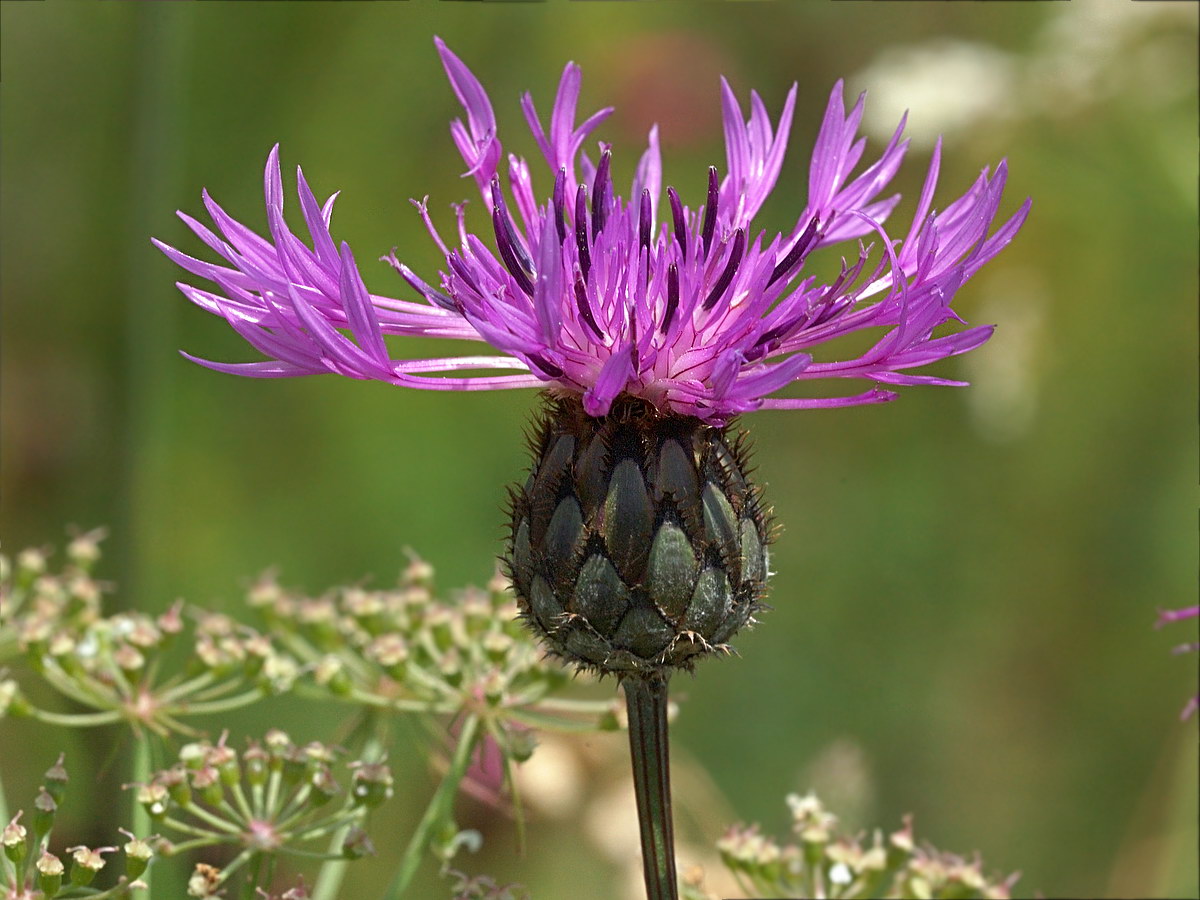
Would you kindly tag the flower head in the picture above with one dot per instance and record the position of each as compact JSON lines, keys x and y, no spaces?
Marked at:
{"x":689,"y":308}
{"x":1166,"y":616}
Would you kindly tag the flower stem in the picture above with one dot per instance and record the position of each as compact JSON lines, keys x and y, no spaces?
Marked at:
{"x":141,"y":769}
{"x":646,"y":700}
{"x":329,"y":881}
{"x":438,"y":809}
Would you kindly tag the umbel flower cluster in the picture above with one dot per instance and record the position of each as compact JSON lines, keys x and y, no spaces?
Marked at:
{"x":116,"y":665}
{"x":461,"y":664}
{"x":274,"y":799}
{"x":405,"y":649}
{"x":31,"y":871}
{"x":824,"y":860}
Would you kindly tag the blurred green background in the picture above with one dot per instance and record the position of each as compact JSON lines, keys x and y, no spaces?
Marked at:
{"x":967,"y":579}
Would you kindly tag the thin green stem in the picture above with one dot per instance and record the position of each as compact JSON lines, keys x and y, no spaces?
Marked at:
{"x":3,"y":806}
{"x":550,"y":723}
{"x":76,"y":720}
{"x":252,"y":878}
{"x":400,"y":705}
{"x":329,"y":879}
{"x":140,"y":769}
{"x":439,"y":807}
{"x":646,"y":700}
{"x":215,"y":706}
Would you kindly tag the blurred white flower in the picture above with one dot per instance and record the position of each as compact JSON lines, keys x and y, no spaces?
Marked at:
{"x":953,"y":83}
{"x":1004,"y":395}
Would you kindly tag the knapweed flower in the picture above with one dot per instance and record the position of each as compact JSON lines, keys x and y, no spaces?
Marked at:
{"x":652,"y":323}
{"x":600,"y":296}
{"x":638,"y":542}
{"x":1176,"y":615}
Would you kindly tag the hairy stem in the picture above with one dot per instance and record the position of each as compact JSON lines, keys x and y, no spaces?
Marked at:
{"x":646,"y":700}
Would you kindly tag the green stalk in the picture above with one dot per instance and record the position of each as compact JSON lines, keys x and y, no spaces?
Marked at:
{"x":329,"y":880}
{"x":439,"y":807}
{"x":3,"y":806}
{"x":646,"y":700}
{"x":142,"y":767}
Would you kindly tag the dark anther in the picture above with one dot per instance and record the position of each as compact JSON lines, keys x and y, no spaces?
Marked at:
{"x":633,"y":339}
{"x":545,"y":365}
{"x":672,"y":297}
{"x":462,"y":270}
{"x":600,"y":189}
{"x":581,"y":236}
{"x":710,"y":209}
{"x":644,"y":219}
{"x":585,"y":308}
{"x":794,"y":255}
{"x":508,"y":254}
{"x":516,"y":260}
{"x":735,"y":259}
{"x":677,"y":218}
{"x":560,"y":199}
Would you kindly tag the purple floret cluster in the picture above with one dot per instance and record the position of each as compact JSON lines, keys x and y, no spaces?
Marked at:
{"x":690,"y":308}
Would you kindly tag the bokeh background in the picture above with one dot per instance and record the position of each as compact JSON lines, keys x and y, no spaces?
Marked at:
{"x":968,"y":578}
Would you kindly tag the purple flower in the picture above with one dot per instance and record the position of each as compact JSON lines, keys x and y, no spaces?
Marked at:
{"x":590,"y":293}
{"x":1176,"y":615}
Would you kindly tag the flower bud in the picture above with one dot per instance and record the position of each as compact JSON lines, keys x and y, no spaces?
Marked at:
{"x":44,"y":809}
{"x":129,"y":660}
{"x":450,"y":667}
{"x":256,"y":761}
{"x":295,"y":765}
{"x":277,"y":741}
{"x":224,"y":759}
{"x":84,"y":549}
{"x":496,"y":646}
{"x":207,"y":780}
{"x":13,"y":838}
{"x":12,"y":701}
{"x":50,"y":873}
{"x":155,"y":799}
{"x":138,"y":854}
{"x":175,"y":780}
{"x":521,"y":743}
{"x":372,"y":784}
{"x":391,"y":652}
{"x":418,"y":572}
{"x":86,"y":863}
{"x":638,"y":544}
{"x":30,"y":563}
{"x":330,"y":673}
{"x":325,"y":788}
{"x":357,"y":844}
{"x":56,"y":779}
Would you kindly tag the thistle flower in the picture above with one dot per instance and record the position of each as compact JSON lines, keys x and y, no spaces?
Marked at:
{"x":598,"y":296}
{"x":1176,"y":615}
{"x":638,"y":543}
